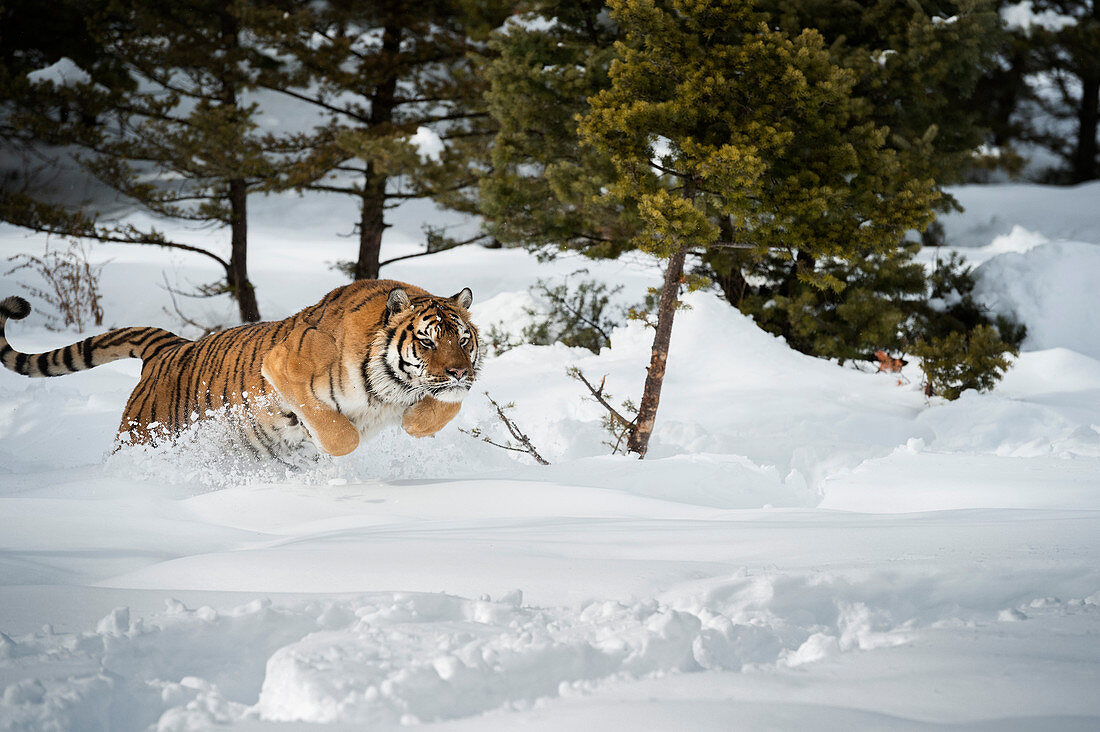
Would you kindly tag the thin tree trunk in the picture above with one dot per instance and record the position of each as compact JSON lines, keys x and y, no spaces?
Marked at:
{"x":372,"y":214}
{"x":725,"y":266}
{"x":238,"y":255}
{"x":651,"y":396}
{"x":372,"y":224}
{"x":1088,"y":118}
{"x":239,"y":284}
{"x":732,"y":282}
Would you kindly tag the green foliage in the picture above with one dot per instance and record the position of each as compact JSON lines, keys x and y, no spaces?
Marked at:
{"x":960,"y":346}
{"x":963,"y":360}
{"x":380,"y":74}
{"x":892,"y":304}
{"x":791,"y":143}
{"x":543,"y":190}
{"x":577,"y":315}
{"x":918,"y":64}
{"x":867,"y":314}
{"x":717,"y":124}
{"x":185,"y":117}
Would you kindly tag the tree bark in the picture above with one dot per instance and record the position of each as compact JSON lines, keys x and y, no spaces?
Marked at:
{"x":733,"y":284}
{"x":372,"y":224}
{"x":1088,"y":119}
{"x":239,"y":283}
{"x":651,"y":396}
{"x":725,"y":267}
{"x":372,"y":221}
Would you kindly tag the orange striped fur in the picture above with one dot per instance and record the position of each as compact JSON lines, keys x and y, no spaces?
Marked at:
{"x":368,"y":354}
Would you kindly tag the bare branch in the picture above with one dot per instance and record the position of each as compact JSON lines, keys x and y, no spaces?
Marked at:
{"x":597,"y":394}
{"x":513,"y":429}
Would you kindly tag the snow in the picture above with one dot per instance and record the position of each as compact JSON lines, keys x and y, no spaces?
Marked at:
{"x":427,"y":142}
{"x":806,"y":545}
{"x":1023,"y":15}
{"x":63,"y":72}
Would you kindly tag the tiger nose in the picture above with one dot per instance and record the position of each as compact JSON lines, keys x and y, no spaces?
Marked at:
{"x":456,"y":374}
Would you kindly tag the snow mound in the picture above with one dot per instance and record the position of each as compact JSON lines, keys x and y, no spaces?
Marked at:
{"x":990,"y":211}
{"x":1049,"y":288}
{"x":63,"y":72}
{"x":403,"y":658}
{"x":407,"y":658}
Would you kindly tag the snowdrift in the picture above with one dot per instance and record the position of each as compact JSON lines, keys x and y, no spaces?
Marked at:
{"x":806,"y":544}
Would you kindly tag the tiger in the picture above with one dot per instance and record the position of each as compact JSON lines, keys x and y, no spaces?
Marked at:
{"x":370,"y":354}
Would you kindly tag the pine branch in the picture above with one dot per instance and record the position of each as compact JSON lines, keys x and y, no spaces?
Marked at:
{"x":453,"y":245}
{"x":23,"y":211}
{"x":345,"y":111}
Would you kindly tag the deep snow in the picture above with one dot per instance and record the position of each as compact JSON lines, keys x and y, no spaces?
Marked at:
{"x":807,"y":546}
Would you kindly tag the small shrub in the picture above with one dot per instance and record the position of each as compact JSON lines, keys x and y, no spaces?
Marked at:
{"x":959,"y":360}
{"x":70,"y":289}
{"x":578,"y":316}
{"x":960,"y":346}
{"x":889,"y":304}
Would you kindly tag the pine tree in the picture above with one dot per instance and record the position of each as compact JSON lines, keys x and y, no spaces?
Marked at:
{"x":380,"y":73}
{"x":918,"y":63}
{"x":911,"y":68}
{"x":1068,"y":61}
{"x":164,"y":120}
{"x":187,"y":120}
{"x":543,"y":189}
{"x":718,"y":124}
{"x":35,"y":116}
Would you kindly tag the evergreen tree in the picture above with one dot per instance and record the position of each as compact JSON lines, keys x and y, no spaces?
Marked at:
{"x":35,"y":115}
{"x":917,"y":63}
{"x":717,"y":124}
{"x":1067,"y":59}
{"x":187,"y":120}
{"x":909,"y":68}
{"x":544,"y":186}
{"x":170,"y":127}
{"x":380,"y":73}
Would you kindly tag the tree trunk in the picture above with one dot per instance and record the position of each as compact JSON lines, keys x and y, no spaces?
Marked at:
{"x":239,"y":284}
{"x":371,"y":225}
{"x":651,"y":396}
{"x":733,"y":284}
{"x":1088,"y":118}
{"x":372,"y":214}
{"x":725,"y":266}
{"x":238,"y":256}
{"x":1084,"y":153}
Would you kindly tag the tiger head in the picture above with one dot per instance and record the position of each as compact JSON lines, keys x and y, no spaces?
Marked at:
{"x":428,"y":347}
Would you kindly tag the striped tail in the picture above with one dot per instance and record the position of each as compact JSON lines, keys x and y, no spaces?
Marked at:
{"x":113,"y":345}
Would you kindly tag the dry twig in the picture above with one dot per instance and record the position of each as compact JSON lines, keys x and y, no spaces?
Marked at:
{"x":513,"y":429}
{"x":72,"y":285}
{"x":172,"y":292}
{"x":619,"y":426}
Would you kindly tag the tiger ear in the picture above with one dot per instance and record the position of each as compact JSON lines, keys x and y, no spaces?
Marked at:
{"x":464,"y":298}
{"x":397,"y":301}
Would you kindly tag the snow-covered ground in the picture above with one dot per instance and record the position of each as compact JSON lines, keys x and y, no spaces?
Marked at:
{"x":806,"y":547}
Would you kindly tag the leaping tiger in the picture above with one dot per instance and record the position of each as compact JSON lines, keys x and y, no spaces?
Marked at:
{"x":369,"y":354}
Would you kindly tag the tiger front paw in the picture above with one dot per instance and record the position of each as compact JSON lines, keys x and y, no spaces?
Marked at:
{"x":428,"y":416}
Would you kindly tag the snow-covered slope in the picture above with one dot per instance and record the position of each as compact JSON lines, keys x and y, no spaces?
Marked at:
{"x":807,"y":546}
